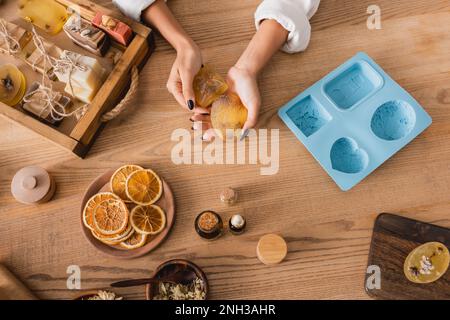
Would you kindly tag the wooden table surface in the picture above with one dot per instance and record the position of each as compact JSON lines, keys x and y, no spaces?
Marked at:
{"x":328,"y":231}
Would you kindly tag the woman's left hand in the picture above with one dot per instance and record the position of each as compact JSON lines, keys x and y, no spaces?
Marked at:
{"x":185,"y":68}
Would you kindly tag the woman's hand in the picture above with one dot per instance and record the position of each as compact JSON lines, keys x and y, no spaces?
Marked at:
{"x":245,"y":84}
{"x":189,"y":57}
{"x":243,"y":77}
{"x":185,"y":68}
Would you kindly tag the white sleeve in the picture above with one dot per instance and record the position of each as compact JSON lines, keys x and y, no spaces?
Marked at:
{"x":134,"y":8}
{"x":294,"y":16}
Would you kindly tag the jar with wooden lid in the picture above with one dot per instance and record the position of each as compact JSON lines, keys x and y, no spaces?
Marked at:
{"x":33,"y":185}
{"x":209,"y":225}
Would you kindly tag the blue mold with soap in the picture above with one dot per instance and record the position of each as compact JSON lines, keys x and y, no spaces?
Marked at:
{"x":354,"y":119}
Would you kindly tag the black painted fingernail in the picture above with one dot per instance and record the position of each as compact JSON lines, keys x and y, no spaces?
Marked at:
{"x":244,"y":134}
{"x":190,"y":104}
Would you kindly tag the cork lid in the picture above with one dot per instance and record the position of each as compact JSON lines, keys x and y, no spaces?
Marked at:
{"x":272,"y":249}
{"x":31,"y":185}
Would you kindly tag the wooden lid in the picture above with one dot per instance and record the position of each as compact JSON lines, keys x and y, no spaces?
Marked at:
{"x":31,"y":185}
{"x":272,"y":249}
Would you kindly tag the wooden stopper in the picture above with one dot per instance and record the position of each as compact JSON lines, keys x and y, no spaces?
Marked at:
{"x":32,"y":185}
{"x":271,"y":249}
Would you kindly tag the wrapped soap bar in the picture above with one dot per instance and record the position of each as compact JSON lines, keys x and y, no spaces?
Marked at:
{"x":83,"y":94}
{"x":84,"y":79}
{"x":86,"y":70}
{"x":34,"y":57}
{"x":84,"y":34}
{"x":45,"y":14}
{"x":118,"y":30}
{"x":208,"y":86}
{"x":13,"y":38}
{"x":36,"y":103}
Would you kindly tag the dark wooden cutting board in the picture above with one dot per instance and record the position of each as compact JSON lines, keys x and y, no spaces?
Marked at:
{"x":393,"y":238}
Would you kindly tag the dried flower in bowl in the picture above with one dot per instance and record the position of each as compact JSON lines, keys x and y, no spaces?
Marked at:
{"x":193,"y":291}
{"x":105,"y":295}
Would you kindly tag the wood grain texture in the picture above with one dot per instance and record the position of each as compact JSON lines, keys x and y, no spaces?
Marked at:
{"x":328,"y":232}
{"x":393,"y":239}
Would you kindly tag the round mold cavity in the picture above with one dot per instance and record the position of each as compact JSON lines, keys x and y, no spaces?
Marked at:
{"x":393,"y":120}
{"x":347,"y":157}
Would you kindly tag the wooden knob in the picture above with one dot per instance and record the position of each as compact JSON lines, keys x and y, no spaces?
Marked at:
{"x":271,"y":249}
{"x":29,"y":183}
{"x":32,"y":185}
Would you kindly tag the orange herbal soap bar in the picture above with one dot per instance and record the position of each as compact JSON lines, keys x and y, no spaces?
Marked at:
{"x":208,"y":86}
{"x":118,"y":30}
{"x":45,"y":14}
{"x":228,"y":116}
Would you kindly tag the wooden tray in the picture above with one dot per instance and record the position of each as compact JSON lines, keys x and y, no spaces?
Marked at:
{"x":394,"y":237}
{"x":167,"y":203}
{"x":78,"y":137}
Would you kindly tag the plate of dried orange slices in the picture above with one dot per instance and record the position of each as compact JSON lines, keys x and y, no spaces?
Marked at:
{"x":127,"y":212}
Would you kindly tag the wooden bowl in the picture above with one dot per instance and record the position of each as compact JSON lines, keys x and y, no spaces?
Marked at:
{"x":89,"y":294}
{"x":86,"y":296}
{"x":167,"y":203}
{"x":172,"y":266}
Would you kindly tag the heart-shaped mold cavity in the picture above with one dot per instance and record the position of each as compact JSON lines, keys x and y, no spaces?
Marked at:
{"x":309,"y":116}
{"x":348,"y":157}
{"x":393,"y":120}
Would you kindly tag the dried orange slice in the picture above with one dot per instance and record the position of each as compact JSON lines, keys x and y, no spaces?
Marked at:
{"x":114,"y":239}
{"x":119,"y":179}
{"x":111,"y":217}
{"x":148,"y":219}
{"x":144,"y":187}
{"x":136,"y":240}
{"x":88,"y":212}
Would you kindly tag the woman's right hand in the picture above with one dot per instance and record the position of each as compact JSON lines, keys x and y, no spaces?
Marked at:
{"x":245,"y":85}
{"x":186,"y":66}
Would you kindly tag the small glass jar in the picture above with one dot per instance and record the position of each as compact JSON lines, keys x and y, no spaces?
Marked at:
{"x":237,"y":224}
{"x":229,"y":196}
{"x":209,"y":225}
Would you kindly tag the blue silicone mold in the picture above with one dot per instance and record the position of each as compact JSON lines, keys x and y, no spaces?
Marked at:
{"x":354,"y":119}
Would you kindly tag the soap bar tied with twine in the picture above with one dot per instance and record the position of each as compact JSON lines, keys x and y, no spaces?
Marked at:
{"x":45,"y":91}
{"x":10,"y":44}
{"x":56,"y":110}
{"x":66,"y":63}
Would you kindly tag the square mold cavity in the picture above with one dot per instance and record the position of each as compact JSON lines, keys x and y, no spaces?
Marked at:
{"x":308,"y":115}
{"x":353,"y":85}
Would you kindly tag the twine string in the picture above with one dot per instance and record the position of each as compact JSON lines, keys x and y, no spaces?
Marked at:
{"x":67,"y":63}
{"x":12,"y":45}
